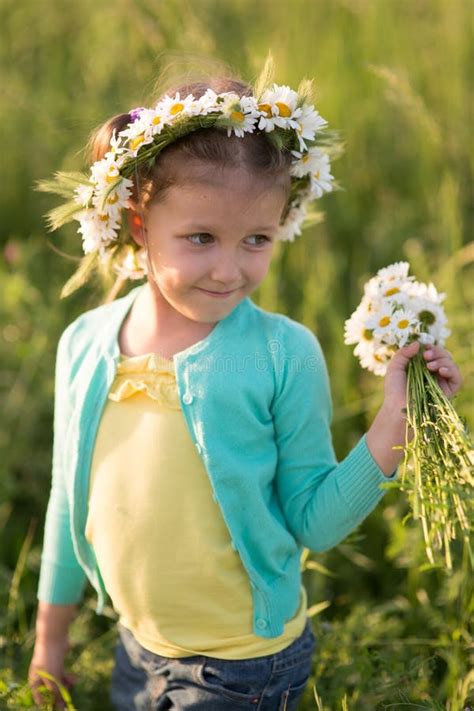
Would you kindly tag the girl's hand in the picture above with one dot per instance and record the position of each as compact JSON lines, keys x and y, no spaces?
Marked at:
{"x":439,"y":361}
{"x":49,"y":657}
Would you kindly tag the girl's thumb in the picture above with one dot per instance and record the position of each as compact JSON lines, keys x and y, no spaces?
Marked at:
{"x":400,"y":359}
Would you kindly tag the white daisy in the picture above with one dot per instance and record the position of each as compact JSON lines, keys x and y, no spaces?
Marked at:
{"x":405,"y":324}
{"x":307,"y":124}
{"x":381,"y":321}
{"x":426,"y":291}
{"x":394,"y":272}
{"x":355,"y":328}
{"x":321,"y":178}
{"x":292,"y":224}
{"x":393,"y":290}
{"x":306,"y":162}
{"x":105,"y":172}
{"x":96,"y":229}
{"x":174,"y":107}
{"x":241,"y":112}
{"x":151,"y":122}
{"x":439,"y":332}
{"x":83,"y":194}
{"x":208,"y":102}
{"x":137,"y":134}
{"x":133,"y":265}
{"x":116,"y":201}
{"x":116,"y":145}
{"x":279,"y":105}
{"x":426,"y":339}
{"x":377,"y":361}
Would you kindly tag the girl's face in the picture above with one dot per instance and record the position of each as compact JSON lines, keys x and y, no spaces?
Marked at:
{"x":215,"y":236}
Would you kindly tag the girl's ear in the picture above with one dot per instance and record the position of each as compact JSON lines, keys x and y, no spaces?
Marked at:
{"x":136,"y":224}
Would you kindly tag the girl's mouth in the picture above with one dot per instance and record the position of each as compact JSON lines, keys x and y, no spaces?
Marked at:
{"x":217,"y":293}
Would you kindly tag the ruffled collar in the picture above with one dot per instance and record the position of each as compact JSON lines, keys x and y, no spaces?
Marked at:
{"x":149,"y":373}
{"x":144,"y":363}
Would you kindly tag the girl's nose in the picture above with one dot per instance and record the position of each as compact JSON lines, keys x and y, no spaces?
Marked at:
{"x":226,"y":270}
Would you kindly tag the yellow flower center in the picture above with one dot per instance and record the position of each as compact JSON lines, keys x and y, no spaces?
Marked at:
{"x":112,"y":199}
{"x":384,"y":321}
{"x":237,"y":116}
{"x":176,"y":108}
{"x":367,"y":334}
{"x":111,"y":178}
{"x":156,"y":120}
{"x":378,"y":358}
{"x":305,"y":158}
{"x":317,"y":174}
{"x":266,"y":108}
{"x":284,"y":109}
{"x":103,"y":218}
{"x":135,"y":142}
{"x":403,"y":323}
{"x":393,"y":290}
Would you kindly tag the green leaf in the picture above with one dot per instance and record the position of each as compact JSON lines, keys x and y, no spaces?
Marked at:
{"x":81,"y":275}
{"x":59,"y":216}
{"x":62,"y":184}
{"x":314,"y":565}
{"x":265,"y":78}
{"x":305,"y":90}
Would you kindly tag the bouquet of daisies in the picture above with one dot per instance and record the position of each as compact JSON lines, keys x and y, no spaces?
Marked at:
{"x":437,"y":470}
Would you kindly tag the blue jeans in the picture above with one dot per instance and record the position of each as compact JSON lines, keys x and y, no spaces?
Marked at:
{"x":144,"y":681}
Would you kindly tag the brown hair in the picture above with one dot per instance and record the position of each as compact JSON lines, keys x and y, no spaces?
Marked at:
{"x":254,"y":153}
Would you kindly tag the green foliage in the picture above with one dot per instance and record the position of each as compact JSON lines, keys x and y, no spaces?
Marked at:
{"x":393,"y":632}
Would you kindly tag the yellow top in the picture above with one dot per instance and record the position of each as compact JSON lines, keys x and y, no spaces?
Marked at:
{"x":161,"y":542}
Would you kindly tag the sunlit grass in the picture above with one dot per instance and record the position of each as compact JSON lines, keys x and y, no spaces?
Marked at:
{"x":395,"y":78}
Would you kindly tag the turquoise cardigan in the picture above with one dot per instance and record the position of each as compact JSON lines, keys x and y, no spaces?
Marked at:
{"x":256,"y":398}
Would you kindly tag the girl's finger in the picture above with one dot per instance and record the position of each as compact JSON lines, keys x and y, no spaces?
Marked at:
{"x":441,"y":363}
{"x":49,"y":685}
{"x":436,"y":352}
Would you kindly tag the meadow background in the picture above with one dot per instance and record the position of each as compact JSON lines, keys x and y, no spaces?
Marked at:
{"x":395,"y":77}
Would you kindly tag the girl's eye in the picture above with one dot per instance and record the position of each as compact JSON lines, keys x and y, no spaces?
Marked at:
{"x":198,"y":234}
{"x":263,"y":238}
{"x":203,"y":234}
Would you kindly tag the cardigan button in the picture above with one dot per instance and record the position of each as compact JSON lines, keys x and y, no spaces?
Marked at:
{"x":261,"y":623}
{"x":188,"y":398}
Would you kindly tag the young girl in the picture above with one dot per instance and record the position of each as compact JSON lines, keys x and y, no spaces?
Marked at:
{"x":193,"y":459}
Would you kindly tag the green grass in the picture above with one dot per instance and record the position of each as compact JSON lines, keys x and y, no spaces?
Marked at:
{"x":395,"y":76}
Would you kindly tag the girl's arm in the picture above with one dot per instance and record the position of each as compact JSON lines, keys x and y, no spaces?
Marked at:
{"x":52,"y":623}
{"x":324,"y":500}
{"x":387,"y":431}
{"x":51,"y":647}
{"x":62,"y":580}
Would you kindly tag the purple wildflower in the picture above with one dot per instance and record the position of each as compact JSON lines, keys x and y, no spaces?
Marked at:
{"x":135,"y":113}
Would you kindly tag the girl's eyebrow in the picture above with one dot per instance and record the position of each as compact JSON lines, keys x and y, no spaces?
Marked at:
{"x":203,"y":228}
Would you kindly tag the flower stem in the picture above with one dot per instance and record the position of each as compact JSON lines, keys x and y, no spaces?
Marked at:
{"x":438,"y":466}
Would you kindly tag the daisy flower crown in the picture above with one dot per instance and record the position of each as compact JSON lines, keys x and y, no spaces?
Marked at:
{"x":97,"y":200}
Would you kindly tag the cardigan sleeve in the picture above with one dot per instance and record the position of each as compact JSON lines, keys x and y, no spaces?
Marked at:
{"x":62,"y":580}
{"x":323,"y":500}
